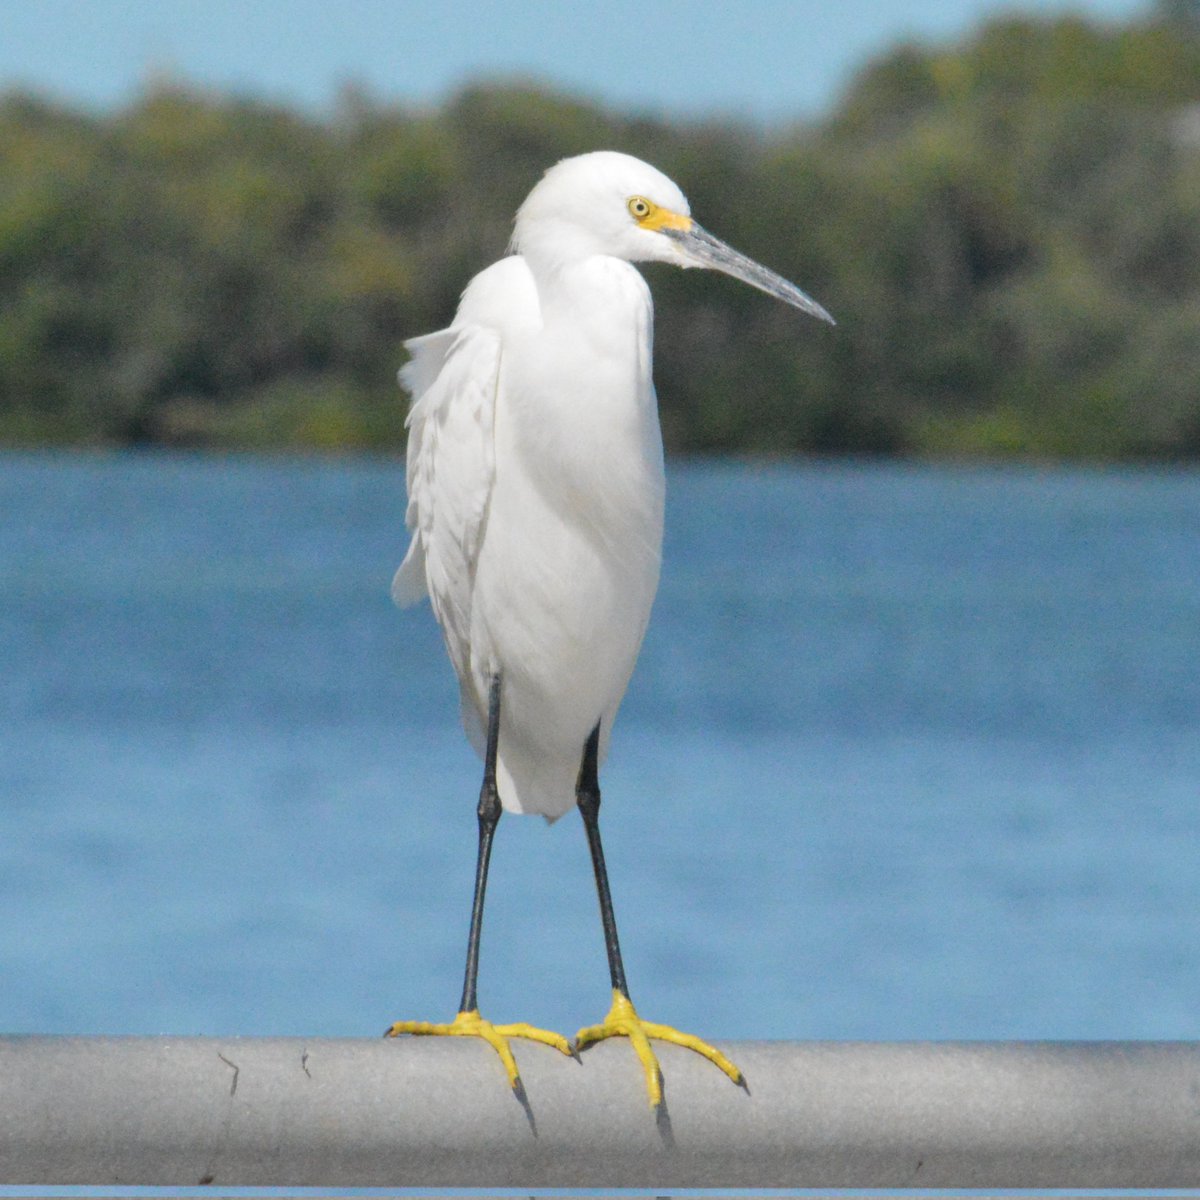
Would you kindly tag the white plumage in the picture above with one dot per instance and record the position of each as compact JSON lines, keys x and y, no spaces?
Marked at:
{"x":535,"y":471}
{"x":535,"y":503}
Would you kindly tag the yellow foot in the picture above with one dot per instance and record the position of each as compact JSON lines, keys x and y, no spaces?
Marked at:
{"x":471,"y":1024}
{"x":623,"y":1021}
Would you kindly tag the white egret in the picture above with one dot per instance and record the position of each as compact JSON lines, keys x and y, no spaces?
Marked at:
{"x":535,"y":504}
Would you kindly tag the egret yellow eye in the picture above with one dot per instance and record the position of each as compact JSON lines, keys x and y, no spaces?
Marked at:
{"x":639,"y":207}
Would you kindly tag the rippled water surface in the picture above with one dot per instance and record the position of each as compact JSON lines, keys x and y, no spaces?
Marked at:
{"x":910,"y":753}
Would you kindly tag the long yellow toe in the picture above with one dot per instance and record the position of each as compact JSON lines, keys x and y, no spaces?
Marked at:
{"x":471,"y":1024}
{"x":623,"y":1021}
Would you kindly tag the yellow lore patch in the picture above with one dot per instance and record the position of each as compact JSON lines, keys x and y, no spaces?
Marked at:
{"x":651,"y":217}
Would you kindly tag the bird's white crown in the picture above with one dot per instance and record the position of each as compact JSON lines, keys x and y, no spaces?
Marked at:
{"x":581,"y":207}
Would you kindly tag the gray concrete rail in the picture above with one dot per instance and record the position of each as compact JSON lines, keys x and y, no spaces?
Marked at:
{"x":420,"y":1112}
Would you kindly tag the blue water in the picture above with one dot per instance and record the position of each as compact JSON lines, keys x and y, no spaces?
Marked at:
{"x":910,"y":753}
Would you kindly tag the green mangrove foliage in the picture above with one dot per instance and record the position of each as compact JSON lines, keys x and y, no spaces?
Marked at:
{"x":1007,"y":230}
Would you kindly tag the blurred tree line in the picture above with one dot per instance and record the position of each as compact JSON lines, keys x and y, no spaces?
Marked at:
{"x":1008,"y":232}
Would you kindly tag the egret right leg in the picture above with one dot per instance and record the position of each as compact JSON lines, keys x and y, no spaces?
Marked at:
{"x":622,"y":1019}
{"x":468,"y":1022}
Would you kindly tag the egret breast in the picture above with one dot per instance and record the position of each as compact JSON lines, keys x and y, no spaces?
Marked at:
{"x":570,"y":557}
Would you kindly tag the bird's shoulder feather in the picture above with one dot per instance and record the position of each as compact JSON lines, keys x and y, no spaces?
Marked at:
{"x":452,"y":376}
{"x":502,"y":297}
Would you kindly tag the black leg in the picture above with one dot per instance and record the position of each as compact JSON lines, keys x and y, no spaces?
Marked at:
{"x":468,"y":1022}
{"x":622,"y":1019}
{"x":587,"y":794}
{"x":489,"y":817}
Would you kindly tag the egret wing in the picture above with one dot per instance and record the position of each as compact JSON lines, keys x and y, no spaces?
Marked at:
{"x":418,"y":377}
{"x":453,"y":377}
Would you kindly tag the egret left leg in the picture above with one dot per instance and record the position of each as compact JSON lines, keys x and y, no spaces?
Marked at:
{"x":468,"y":1022}
{"x":622,"y":1019}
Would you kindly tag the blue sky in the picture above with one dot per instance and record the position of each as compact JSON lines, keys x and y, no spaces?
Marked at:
{"x":761,"y":59}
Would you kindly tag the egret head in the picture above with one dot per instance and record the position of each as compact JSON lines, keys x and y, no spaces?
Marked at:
{"x":615,"y":204}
